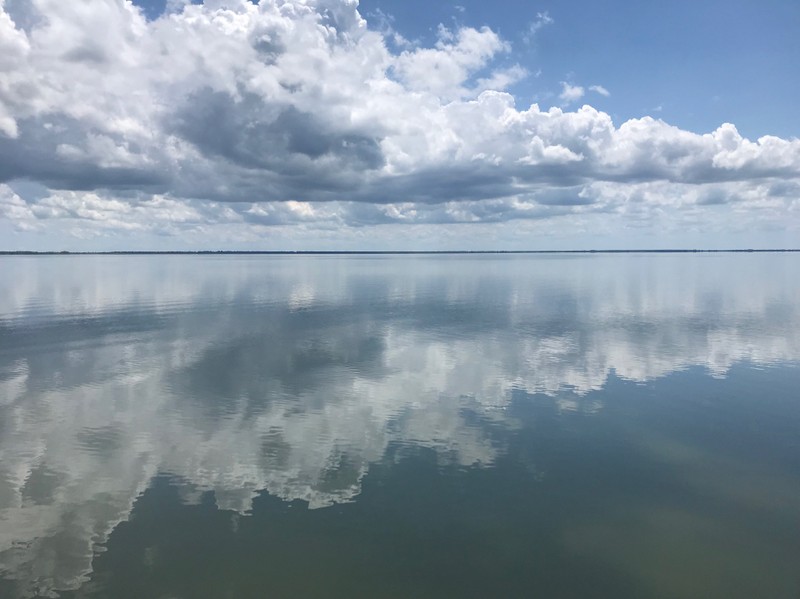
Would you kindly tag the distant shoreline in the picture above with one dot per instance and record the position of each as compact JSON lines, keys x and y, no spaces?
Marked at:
{"x":382,"y":252}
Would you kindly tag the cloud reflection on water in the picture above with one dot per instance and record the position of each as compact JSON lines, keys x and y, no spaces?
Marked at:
{"x":293,"y":375}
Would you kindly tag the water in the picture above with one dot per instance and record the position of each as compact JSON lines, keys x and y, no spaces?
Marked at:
{"x":411,"y":426}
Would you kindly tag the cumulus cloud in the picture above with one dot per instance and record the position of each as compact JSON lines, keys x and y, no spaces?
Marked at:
{"x":571,"y":93}
{"x":303,"y":101}
{"x":445,"y":70}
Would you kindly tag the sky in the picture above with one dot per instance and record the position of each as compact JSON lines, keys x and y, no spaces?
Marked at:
{"x":409,"y":125}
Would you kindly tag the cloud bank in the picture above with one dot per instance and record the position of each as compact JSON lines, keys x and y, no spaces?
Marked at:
{"x":298,"y":112}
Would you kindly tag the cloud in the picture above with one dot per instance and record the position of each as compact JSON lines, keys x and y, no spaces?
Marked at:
{"x":600,"y":90}
{"x":303,"y":101}
{"x":542,"y":20}
{"x":665,"y":206}
{"x":444,"y":70}
{"x":571,"y":93}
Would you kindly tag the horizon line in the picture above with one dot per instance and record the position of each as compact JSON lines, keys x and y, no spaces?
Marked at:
{"x":385,"y":252}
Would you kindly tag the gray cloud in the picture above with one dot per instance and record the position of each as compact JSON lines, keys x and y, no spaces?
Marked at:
{"x":297,"y":153}
{"x":302,"y":101}
{"x":62,"y":154}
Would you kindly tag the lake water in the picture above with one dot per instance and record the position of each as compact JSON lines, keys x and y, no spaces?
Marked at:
{"x":555,"y":426}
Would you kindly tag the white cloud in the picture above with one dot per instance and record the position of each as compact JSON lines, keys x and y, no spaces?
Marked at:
{"x":571,"y":93}
{"x":600,"y":90}
{"x":301,"y":101}
{"x":445,"y":69}
{"x":16,"y":209}
{"x":542,"y":20}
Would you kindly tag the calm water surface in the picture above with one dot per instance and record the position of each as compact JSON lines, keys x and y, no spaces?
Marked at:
{"x":422,"y":426}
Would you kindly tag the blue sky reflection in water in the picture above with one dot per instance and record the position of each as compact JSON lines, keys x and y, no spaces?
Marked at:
{"x":555,"y":426}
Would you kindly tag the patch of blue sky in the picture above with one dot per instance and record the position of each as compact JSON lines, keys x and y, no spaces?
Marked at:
{"x":694,"y":64}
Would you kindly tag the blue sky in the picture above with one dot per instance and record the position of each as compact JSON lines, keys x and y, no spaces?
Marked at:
{"x":694,"y":64}
{"x":325,"y":124}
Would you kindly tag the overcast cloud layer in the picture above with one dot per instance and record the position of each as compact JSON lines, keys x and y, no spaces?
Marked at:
{"x":224,"y":122}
